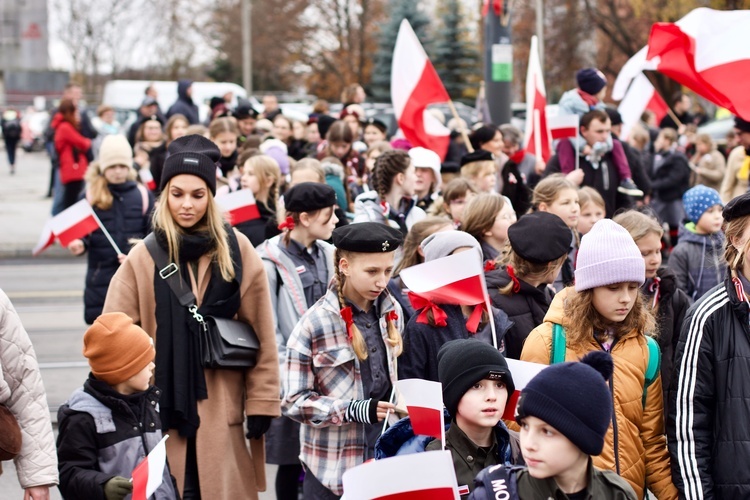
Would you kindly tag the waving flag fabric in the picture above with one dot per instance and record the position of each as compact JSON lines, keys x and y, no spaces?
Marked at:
{"x":74,"y":222}
{"x":537,"y":134}
{"x":240,"y":205}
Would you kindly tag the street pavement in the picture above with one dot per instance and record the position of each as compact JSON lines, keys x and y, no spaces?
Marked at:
{"x":47,"y":292}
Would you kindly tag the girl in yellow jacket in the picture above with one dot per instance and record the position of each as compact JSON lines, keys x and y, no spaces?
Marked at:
{"x":605,"y":312}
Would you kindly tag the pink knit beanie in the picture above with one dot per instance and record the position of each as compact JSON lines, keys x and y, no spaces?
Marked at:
{"x":608,"y":255}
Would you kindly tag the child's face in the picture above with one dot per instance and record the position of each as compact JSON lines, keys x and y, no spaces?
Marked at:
{"x":321,"y":226}
{"x":505,"y":217}
{"x":227,"y":143}
{"x":485,"y":181}
{"x":339,"y":149}
{"x":482,"y":406}
{"x":246,"y":125}
{"x":614,"y":302}
{"x":424,"y":180}
{"x":366,"y":275}
{"x":117,"y":174}
{"x":650,"y":247}
{"x":373,"y":135}
{"x":565,"y":206}
{"x":179,"y":128}
{"x":456,"y":207}
{"x":313,"y":134}
{"x":152,"y":131}
{"x":140,"y":381}
{"x":249,"y":180}
{"x":591,"y":213}
{"x":711,"y":220}
{"x":281,"y":129}
{"x":546,"y":451}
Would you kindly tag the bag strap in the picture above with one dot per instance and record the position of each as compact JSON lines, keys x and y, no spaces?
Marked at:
{"x":557,"y":354}
{"x":169,"y":272}
{"x":653,"y":367}
{"x":144,"y":198}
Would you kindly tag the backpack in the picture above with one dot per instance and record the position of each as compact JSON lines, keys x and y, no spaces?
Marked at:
{"x":557,"y":355}
{"x":12,"y":129}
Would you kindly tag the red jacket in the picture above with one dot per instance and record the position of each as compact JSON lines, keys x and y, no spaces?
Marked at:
{"x":67,"y":139}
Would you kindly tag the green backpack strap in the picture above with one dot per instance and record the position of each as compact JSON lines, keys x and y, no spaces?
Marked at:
{"x":653,"y":367}
{"x":557,"y":354}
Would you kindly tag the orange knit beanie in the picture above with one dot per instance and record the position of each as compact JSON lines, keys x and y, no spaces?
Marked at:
{"x":117,"y":348}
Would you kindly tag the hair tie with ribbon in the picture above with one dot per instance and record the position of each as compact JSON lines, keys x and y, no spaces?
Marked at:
{"x":420,"y":303}
{"x":472,"y":324}
{"x":512,"y":276}
{"x":490,"y":265}
{"x":654,"y":288}
{"x":391,"y":316}
{"x":347,"y":316}
{"x":287,"y":224}
{"x":385,"y":208}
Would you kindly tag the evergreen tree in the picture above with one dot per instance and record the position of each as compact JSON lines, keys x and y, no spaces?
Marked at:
{"x":455,"y":57}
{"x":380,"y":86}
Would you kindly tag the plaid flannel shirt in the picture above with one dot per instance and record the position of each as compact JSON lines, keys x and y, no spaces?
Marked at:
{"x":322,"y":378}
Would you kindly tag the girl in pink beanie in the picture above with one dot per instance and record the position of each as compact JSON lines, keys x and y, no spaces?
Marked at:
{"x":605,"y":311}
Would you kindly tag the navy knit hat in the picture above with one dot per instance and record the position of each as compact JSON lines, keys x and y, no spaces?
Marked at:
{"x":464,"y":362}
{"x":591,"y":80}
{"x":573,"y":398}
{"x":699,"y":199}
{"x":194,"y":155}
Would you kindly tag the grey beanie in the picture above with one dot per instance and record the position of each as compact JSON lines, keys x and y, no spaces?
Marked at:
{"x":444,"y":243}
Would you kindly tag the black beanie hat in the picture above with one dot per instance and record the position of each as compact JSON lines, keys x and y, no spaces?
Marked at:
{"x":573,"y":398}
{"x":464,"y":362}
{"x":591,"y":80}
{"x":194,"y":155}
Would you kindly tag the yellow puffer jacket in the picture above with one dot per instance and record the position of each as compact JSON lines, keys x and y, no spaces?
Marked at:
{"x":637,"y":444}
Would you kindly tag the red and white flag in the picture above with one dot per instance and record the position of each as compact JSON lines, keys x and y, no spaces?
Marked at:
{"x":415,"y":476}
{"x":149,"y":474}
{"x":537,"y":134}
{"x":424,"y":401}
{"x":74,"y":222}
{"x":456,"y":279}
{"x":640,"y":96}
{"x":523,"y":372}
{"x":46,"y":239}
{"x":562,"y":126}
{"x":147,"y":178}
{"x":240,"y":205}
{"x":415,"y":85}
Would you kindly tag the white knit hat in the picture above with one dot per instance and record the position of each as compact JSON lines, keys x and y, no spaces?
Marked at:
{"x":608,"y":255}
{"x":115,"y":150}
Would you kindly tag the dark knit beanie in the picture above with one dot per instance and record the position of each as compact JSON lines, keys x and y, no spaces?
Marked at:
{"x":464,"y":362}
{"x":591,"y":80}
{"x":194,"y":155}
{"x":573,"y":398}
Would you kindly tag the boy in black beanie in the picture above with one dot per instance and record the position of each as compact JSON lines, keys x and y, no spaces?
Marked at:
{"x":564,"y":413}
{"x":476,"y":386}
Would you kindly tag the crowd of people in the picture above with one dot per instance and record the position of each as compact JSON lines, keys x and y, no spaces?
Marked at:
{"x":646,"y":391}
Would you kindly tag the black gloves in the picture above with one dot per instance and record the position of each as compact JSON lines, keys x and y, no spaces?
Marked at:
{"x":257,"y":425}
{"x":117,"y":488}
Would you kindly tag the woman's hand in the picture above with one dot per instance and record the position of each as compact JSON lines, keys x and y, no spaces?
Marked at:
{"x":76,"y":247}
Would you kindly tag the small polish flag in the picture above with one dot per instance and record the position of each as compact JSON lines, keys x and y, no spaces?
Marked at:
{"x":415,"y":476}
{"x":74,"y":222}
{"x":456,"y":279}
{"x":424,"y":401}
{"x":523,"y":372}
{"x":240,"y":205}
{"x":147,"y":179}
{"x":562,"y":126}
{"x":148,"y":475}
{"x":46,"y":239}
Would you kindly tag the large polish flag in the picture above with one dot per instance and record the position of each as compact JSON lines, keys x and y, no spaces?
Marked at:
{"x":424,"y":402}
{"x":148,"y":475}
{"x":707,"y":51}
{"x":640,"y":96}
{"x":562,"y":126}
{"x":537,"y":134}
{"x":523,"y":372}
{"x":240,"y":205}
{"x":455,"y":279}
{"x":416,"y":476}
{"x":415,"y":85}
{"x":74,"y":222}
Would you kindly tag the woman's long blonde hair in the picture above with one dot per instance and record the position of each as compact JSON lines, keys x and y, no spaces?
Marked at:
{"x":213,"y":222}
{"x":480,"y":213}
{"x":98,"y":193}
{"x":358,"y":341}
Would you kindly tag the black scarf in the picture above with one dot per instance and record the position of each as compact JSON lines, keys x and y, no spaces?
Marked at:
{"x":179,"y":373}
{"x":227,"y":163}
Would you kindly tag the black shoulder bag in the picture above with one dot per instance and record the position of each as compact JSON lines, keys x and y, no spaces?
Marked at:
{"x":224,"y":343}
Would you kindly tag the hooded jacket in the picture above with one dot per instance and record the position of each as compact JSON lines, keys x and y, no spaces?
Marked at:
{"x":635,"y":445}
{"x":184,"y":104}
{"x":698,"y":261}
{"x":71,"y":149}
{"x":525,"y":308}
{"x":707,"y":422}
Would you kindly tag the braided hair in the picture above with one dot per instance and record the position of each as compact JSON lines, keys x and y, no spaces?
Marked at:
{"x":387,"y":167}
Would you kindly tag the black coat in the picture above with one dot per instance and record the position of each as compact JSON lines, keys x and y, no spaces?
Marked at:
{"x":670,"y":181}
{"x":124,"y":220}
{"x":259,"y":230}
{"x":526,"y":309}
{"x":515,"y":188}
{"x":637,"y":167}
{"x":709,"y":439}
{"x":184,"y":104}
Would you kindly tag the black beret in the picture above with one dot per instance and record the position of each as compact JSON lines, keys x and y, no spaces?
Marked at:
{"x":194,"y":155}
{"x":478,"y":155}
{"x":737,"y":207}
{"x":309,"y":196}
{"x":540,"y":237}
{"x":377,"y":124}
{"x":245,"y":111}
{"x":367,"y":237}
{"x":741,"y":125}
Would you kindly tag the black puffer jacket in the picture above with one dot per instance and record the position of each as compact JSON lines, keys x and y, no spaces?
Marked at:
{"x":126,"y":219}
{"x":526,"y":309}
{"x":670,"y":181}
{"x":709,"y":438}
